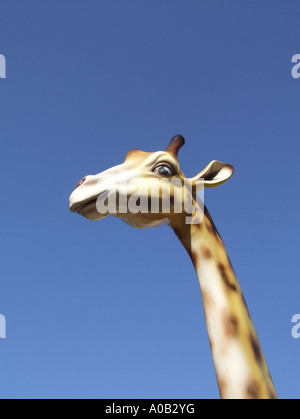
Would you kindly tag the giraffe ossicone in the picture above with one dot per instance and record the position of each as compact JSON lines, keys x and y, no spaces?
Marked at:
{"x":149,"y":189}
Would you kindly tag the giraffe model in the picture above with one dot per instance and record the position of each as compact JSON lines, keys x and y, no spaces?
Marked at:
{"x":240,"y":366}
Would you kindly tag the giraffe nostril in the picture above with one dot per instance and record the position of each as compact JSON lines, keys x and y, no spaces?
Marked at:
{"x":80,"y":183}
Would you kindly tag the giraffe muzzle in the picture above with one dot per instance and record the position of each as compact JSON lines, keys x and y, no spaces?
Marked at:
{"x":80,"y":206}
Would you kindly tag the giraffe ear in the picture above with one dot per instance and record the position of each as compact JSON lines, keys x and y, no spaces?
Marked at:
{"x":214,"y":174}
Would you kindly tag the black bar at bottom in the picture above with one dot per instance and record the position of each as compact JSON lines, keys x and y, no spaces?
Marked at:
{"x":143,"y":407}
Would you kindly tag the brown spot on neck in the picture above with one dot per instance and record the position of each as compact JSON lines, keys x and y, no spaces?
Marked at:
{"x":206,"y":252}
{"x":195,"y":258}
{"x":256,"y":349}
{"x":231,"y":325}
{"x":211,"y":227}
{"x":252,"y":390}
{"x":246,"y":306}
{"x":226,"y":277}
{"x":213,"y":232}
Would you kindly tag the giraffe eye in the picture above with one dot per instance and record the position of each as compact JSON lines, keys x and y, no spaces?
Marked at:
{"x":164,"y":170}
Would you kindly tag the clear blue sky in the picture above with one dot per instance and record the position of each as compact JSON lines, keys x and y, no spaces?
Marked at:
{"x":99,"y":309}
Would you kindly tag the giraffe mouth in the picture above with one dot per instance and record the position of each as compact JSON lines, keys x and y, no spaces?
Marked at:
{"x":83,"y":207}
{"x":86,"y":206}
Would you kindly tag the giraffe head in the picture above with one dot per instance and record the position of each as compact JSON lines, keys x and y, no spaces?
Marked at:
{"x":148,"y":189}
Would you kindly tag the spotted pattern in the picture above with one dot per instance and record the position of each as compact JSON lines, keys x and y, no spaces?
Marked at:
{"x":252,"y":390}
{"x":226,"y":277}
{"x":231,"y":325}
{"x":195,"y":258}
{"x":256,"y":349}
{"x":206,"y":252}
{"x":246,"y":306}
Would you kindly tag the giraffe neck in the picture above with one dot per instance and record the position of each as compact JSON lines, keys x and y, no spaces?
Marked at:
{"x":240,"y":366}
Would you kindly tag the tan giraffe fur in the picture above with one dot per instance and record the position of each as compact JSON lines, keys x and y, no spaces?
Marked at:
{"x":240,"y":366}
